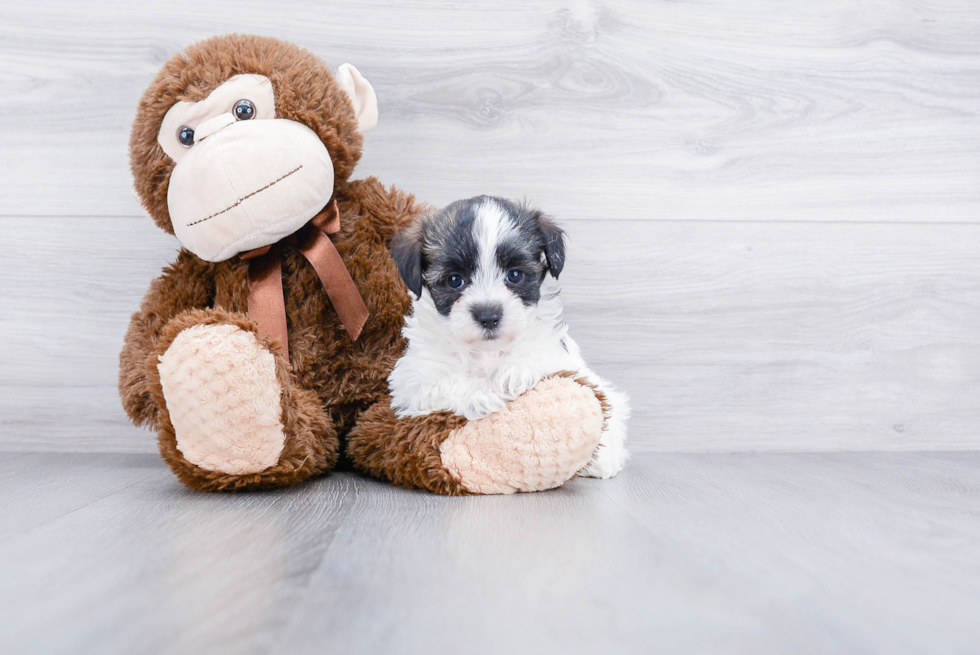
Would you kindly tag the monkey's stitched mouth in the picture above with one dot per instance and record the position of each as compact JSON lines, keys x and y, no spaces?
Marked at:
{"x":244,"y":198}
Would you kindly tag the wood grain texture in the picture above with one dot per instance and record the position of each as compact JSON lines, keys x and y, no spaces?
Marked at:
{"x":784,"y":337}
{"x":838,"y":110}
{"x":728,"y":336}
{"x":259,"y":553}
{"x":773,"y":206}
{"x":683,"y":553}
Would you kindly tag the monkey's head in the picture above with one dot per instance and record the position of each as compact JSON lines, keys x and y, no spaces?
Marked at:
{"x":240,"y":140}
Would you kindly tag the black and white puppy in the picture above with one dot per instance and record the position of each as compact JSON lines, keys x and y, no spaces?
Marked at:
{"x":486,"y":322}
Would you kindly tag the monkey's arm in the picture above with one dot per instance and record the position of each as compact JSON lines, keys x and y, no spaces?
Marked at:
{"x":387,"y":209}
{"x":186,"y":284}
{"x":538,"y":441}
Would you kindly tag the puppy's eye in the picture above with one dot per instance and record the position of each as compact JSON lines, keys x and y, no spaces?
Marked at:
{"x":244,"y":110}
{"x":455,"y":281}
{"x":186,"y":136}
{"x":515,"y":277}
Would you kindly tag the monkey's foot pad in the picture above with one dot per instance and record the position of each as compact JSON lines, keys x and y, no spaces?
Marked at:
{"x":537,"y":442}
{"x":224,"y":399}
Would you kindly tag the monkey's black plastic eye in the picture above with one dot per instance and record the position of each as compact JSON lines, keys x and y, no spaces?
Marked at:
{"x":515,"y":276}
{"x":455,"y":281}
{"x":186,"y":136}
{"x":244,"y":110}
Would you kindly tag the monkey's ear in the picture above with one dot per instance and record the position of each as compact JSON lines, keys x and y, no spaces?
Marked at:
{"x":361,"y":95}
{"x":406,"y":249}
{"x":554,"y":243}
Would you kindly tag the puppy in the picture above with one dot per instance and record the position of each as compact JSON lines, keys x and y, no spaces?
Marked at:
{"x":486,"y":322}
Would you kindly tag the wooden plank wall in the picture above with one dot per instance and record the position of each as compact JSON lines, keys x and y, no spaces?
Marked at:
{"x":773,"y":206}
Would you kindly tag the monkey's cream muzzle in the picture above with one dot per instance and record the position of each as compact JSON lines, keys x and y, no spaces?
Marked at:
{"x":245,"y":180}
{"x":247,"y":184}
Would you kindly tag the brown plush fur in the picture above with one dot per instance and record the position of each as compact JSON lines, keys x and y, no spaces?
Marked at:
{"x":304,"y":88}
{"x":330,"y":380}
{"x":410,"y":458}
{"x":312,"y":446}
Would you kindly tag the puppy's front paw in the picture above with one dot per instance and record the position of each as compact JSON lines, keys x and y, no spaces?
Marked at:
{"x":480,"y":404}
{"x":512,"y":381}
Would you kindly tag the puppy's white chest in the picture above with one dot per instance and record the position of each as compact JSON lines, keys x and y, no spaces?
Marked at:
{"x":471,"y":382}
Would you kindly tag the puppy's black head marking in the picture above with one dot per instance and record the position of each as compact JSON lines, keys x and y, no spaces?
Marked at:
{"x":406,"y":249}
{"x":522,"y":254}
{"x":539,"y":231}
{"x":449,"y":248}
{"x":554,"y":243}
{"x":445,"y":244}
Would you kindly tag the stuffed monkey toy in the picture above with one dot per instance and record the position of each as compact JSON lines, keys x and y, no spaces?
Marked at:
{"x":261,"y":355}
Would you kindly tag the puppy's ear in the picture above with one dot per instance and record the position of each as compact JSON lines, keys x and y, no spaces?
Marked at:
{"x":554,"y":243}
{"x":406,"y":249}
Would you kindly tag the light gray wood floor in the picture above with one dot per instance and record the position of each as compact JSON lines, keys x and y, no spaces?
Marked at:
{"x":683,"y":553}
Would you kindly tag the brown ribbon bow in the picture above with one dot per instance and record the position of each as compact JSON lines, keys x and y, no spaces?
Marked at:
{"x":266,"y":304}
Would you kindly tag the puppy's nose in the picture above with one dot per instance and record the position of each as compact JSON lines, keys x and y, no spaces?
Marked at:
{"x":488,"y":315}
